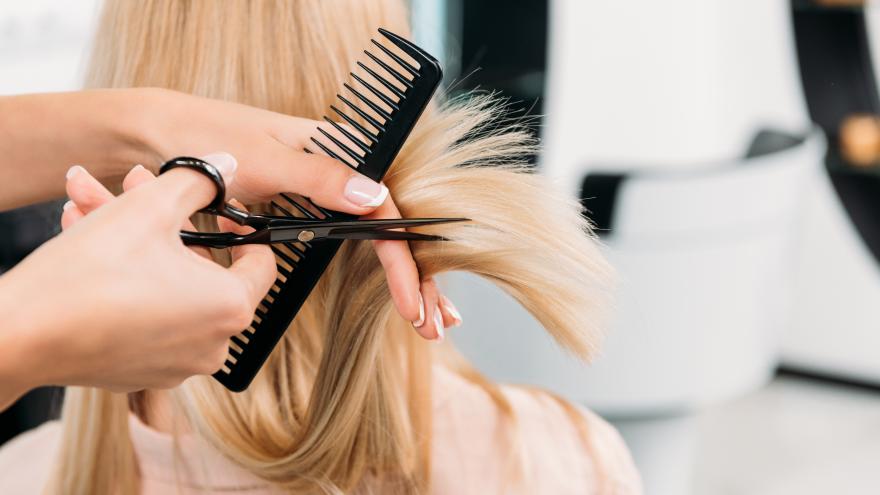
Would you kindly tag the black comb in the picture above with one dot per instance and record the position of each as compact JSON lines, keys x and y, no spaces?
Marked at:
{"x":381,"y":113}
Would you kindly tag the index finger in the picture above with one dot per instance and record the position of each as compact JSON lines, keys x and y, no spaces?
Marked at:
{"x":326,"y":181}
{"x":401,"y":271}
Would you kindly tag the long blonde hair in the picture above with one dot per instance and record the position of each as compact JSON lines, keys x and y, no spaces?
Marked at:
{"x":344,"y":401}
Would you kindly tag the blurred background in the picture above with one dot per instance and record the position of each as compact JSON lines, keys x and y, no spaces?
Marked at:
{"x":727,"y":153}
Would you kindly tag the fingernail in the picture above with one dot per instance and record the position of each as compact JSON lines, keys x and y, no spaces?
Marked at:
{"x":137,"y":167}
{"x":438,"y":324}
{"x":224,"y":163}
{"x":68,"y":205}
{"x":421,"y":320}
{"x":363,"y":192}
{"x":451,"y":309}
{"x":73,"y":171}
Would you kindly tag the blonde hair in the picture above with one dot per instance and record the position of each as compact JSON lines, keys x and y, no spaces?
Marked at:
{"x":344,"y":401}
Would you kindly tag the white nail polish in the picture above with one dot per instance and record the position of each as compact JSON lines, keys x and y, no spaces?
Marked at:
{"x":451,"y":309}
{"x":73,"y":171}
{"x":378,"y":200}
{"x":421,"y":320}
{"x":225,"y":163}
{"x":438,"y":324}
{"x":363,"y":192}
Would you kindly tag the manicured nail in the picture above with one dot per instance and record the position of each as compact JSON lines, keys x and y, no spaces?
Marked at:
{"x":68,"y":205}
{"x":224,"y":163}
{"x":363,"y":192}
{"x":438,"y":324}
{"x":73,"y":171}
{"x":137,"y":167}
{"x":421,"y":320}
{"x":451,"y":309}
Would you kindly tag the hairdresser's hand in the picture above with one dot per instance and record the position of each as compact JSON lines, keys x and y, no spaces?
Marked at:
{"x":270,"y":160}
{"x":267,"y":145}
{"x":117,"y":300}
{"x":435,"y":311}
{"x":111,"y":129}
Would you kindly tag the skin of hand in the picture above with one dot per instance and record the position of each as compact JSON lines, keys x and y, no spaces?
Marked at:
{"x":88,"y":195}
{"x":117,"y":301}
{"x":111,"y":129}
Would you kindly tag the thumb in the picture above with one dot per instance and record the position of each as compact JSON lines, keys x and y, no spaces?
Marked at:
{"x":190,"y":191}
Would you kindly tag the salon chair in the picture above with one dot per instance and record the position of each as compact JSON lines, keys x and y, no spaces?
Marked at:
{"x":704,"y":262}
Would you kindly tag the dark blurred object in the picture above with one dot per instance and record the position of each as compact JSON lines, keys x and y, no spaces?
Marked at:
{"x":32,"y":410}
{"x":22,"y":231}
{"x":835,"y":61}
{"x":837,"y":74}
{"x":769,"y":141}
{"x":841,"y":3}
{"x":600,"y":191}
{"x":503,"y":48}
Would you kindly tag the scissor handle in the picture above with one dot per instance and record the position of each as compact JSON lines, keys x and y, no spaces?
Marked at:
{"x":222,"y":240}
{"x":218,"y":205}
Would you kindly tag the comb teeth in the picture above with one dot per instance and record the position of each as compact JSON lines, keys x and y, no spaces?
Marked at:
{"x":364,"y":115}
{"x":350,"y":121}
{"x":397,"y":75}
{"x":350,"y":152}
{"x":378,"y":126}
{"x":383,"y":104}
{"x":394,"y":89}
{"x":345,"y":132}
{"x":370,"y":103}
{"x":393,"y":56}
{"x":330,"y":152}
{"x":386,"y":100}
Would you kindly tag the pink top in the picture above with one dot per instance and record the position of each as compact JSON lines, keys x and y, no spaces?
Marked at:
{"x":469,"y":447}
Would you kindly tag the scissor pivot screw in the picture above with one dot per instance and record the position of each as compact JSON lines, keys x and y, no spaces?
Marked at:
{"x":305,"y":236}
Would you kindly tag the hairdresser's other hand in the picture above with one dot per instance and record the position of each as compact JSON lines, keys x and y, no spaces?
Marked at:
{"x":269,"y":148}
{"x":437,"y":311}
{"x":131,"y":306}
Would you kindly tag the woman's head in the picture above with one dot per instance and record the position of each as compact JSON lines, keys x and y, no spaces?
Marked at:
{"x":344,"y":400}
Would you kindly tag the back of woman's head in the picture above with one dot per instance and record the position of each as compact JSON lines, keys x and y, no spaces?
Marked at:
{"x":344,"y":401}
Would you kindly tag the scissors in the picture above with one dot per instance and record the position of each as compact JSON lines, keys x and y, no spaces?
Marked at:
{"x":277,"y":229}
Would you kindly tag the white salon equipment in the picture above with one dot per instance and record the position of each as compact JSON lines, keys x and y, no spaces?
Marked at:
{"x":704,"y":265}
{"x":669,"y":95}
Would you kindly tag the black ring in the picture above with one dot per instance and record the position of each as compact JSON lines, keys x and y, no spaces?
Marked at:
{"x":205,"y":169}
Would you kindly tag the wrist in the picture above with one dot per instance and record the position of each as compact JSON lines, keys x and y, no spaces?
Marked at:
{"x":22,"y":367}
{"x":127,"y":118}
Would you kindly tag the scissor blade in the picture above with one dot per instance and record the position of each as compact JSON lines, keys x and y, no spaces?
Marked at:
{"x":390,"y":223}
{"x":386,"y":235}
{"x":360,"y":229}
{"x":380,"y":229}
{"x":293,"y":235}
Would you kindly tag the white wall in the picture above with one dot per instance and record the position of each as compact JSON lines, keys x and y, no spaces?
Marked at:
{"x":675,"y":83}
{"x":43,"y":43}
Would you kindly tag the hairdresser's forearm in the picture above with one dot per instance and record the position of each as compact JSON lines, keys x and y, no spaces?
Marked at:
{"x":22,"y":367}
{"x":42,"y":135}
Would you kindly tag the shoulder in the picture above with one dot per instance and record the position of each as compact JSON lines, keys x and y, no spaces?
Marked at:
{"x":592,"y":449}
{"x":542,"y":441}
{"x":26,"y":461}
